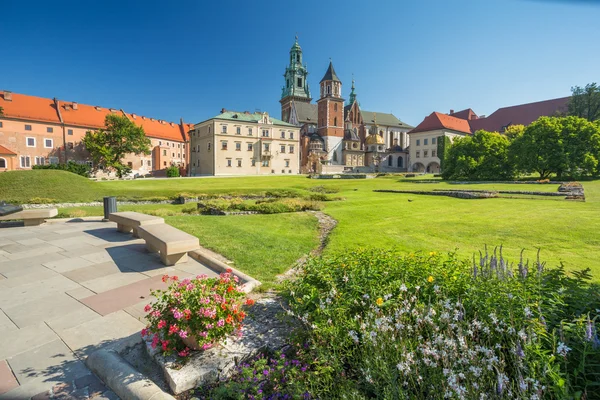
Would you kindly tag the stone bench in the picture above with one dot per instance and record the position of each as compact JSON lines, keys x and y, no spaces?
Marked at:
{"x":128,"y":221}
{"x":32,"y":217}
{"x":172,"y":244}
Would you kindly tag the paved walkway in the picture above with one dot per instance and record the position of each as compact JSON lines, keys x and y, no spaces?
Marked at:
{"x":67,"y":289}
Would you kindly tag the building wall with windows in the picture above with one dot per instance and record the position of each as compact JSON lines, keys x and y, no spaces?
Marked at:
{"x":243,"y":143}
{"x":423,"y":149}
{"x":42,"y":131}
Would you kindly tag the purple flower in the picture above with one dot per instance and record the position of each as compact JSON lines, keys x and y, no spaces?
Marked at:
{"x":266,"y":372}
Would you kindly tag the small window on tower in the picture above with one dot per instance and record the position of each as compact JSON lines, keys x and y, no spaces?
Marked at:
{"x":299,"y":82}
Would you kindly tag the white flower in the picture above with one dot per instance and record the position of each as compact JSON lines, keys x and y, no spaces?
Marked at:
{"x":528,"y":313}
{"x":403,"y":288}
{"x":562,"y":349}
{"x":354,"y":336}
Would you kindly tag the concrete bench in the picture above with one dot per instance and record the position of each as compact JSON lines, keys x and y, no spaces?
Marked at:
{"x":32,"y":217}
{"x":172,"y":244}
{"x":128,"y":221}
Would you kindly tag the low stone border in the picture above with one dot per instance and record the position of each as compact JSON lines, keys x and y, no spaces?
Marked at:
{"x":249,"y":283}
{"x":450,"y":193}
{"x":506,"y":192}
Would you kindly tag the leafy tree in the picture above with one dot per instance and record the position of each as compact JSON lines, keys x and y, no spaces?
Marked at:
{"x":514,"y":131}
{"x":483,"y":156}
{"x":443,"y":146}
{"x":585,"y":102}
{"x":120,"y":137}
{"x":561,"y":146}
{"x":1,"y":111}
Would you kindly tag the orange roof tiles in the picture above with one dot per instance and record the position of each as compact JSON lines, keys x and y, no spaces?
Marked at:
{"x":5,"y":151}
{"x":437,"y":120}
{"x":85,"y":116}
{"x":29,"y":107}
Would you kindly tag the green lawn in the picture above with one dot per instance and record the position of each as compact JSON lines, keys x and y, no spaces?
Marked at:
{"x":266,"y":245}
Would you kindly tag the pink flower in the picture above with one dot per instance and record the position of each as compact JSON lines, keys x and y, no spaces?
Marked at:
{"x":144,"y":332}
{"x":156,"y":313}
{"x":173,"y":329}
{"x":186,"y":281}
{"x":184,"y":353}
{"x":200,"y":277}
{"x":210,"y":326}
{"x":220,"y":323}
{"x":177,"y":295}
{"x":203,"y":334}
{"x":206,"y":346}
{"x":190,"y":287}
{"x":177,"y":314}
{"x":161,"y":324}
{"x":155,"y":340}
{"x":183,"y":334}
{"x":147,"y":308}
{"x":165,"y":344}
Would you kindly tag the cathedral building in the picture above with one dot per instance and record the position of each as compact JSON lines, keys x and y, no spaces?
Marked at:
{"x":336,"y":135}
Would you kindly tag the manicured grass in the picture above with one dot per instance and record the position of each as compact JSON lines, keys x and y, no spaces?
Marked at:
{"x":261,"y":245}
{"x":565,"y":231}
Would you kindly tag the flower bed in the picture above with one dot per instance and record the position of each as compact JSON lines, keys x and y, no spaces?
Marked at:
{"x":194,"y":314}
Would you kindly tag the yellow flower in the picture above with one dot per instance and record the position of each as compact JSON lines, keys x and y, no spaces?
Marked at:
{"x":379,"y":301}
{"x":430,"y":279}
{"x":432,"y":253}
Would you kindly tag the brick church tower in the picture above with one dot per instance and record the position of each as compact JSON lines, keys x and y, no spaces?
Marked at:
{"x":330,"y":124}
{"x":296,"y":85}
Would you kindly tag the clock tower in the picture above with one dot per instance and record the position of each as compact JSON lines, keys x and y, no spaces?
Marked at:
{"x":296,"y":86}
{"x":330,"y":109}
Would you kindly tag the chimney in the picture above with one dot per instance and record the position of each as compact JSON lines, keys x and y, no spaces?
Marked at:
{"x":7,"y":95}
{"x":133,"y":116}
{"x":451,"y":111}
{"x":223,"y":110}
{"x":74,"y":105}
{"x":98,"y":108}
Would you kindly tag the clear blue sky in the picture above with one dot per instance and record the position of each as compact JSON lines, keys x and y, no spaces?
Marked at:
{"x":191,"y":58}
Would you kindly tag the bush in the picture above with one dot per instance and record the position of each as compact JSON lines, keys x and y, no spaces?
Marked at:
{"x":323,"y":189}
{"x":384,"y":325}
{"x":71,"y":166}
{"x":194,"y":313}
{"x":172,"y":171}
{"x":42,"y":200}
{"x":264,"y":206}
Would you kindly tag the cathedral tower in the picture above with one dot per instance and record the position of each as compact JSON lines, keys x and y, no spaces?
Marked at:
{"x":330,"y":124}
{"x":296,"y":86}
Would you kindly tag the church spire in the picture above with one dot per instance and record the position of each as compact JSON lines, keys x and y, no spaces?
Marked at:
{"x":352,"y":97}
{"x":295,"y":75}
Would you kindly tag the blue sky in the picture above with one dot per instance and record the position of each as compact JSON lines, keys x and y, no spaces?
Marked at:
{"x":191,"y":58}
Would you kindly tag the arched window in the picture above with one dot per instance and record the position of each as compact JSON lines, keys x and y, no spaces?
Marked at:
{"x":335,"y":107}
{"x":2,"y":163}
{"x":400,"y":162}
{"x":334,"y":121}
{"x":390,"y":161}
{"x":335,"y":156}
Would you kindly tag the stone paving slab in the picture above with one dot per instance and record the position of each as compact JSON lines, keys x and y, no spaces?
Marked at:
{"x":25,"y":275}
{"x":93,"y":271}
{"x":5,"y":323}
{"x":67,"y":264}
{"x":29,"y":261}
{"x":12,"y":296}
{"x":71,"y":319}
{"x":42,"y":250}
{"x":20,"y":340}
{"x":80,"y":293}
{"x":43,"y":309}
{"x":113,"y":281}
{"x":7,"y":379}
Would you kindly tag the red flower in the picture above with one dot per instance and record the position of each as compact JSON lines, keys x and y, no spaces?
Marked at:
{"x":175,"y":278}
{"x":229,"y":289}
{"x":229,"y":270}
{"x":229,"y":319}
{"x":249,"y":302}
{"x":173,"y":329}
{"x":147,"y":308}
{"x":165,"y":278}
{"x":241,"y":316}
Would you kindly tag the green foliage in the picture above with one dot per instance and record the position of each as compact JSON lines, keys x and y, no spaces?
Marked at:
{"x":1,"y":111}
{"x":380,"y":324}
{"x":585,"y":102}
{"x":562,"y":146}
{"x":483,"y":156}
{"x":443,"y":148}
{"x":323,"y":189}
{"x":71,"y":166}
{"x":120,"y":137}
{"x":267,"y":206}
{"x":173,"y":171}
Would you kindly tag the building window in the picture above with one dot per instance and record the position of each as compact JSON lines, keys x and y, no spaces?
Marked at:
{"x":208,"y":147}
{"x":165,"y":163}
{"x":164,"y":152}
{"x":160,"y":142}
{"x":418,"y":142}
{"x":287,"y":163}
{"x":40,"y":161}
{"x":425,"y":142}
{"x":224,"y":145}
{"x":238,"y":130}
{"x":433,"y":153}
{"x":418,"y":154}
{"x":48,"y":143}
{"x":283,"y":148}
{"x":229,"y":162}
{"x":265,"y":163}
{"x":224,"y":128}
{"x":49,"y":129}
{"x":53,"y":160}
{"x":249,"y":131}
{"x":425,"y":153}
{"x":239,"y":162}
{"x":141,"y":163}
{"x":27,"y":127}
{"x":149,"y":163}
{"x":178,"y":155}
{"x":1,"y":127}
{"x":266,"y":146}
{"x":282,"y":134}
{"x":25,"y":162}
{"x":335,"y":107}
{"x":291,"y":150}
{"x":265,"y":133}
{"x":334,"y":121}
{"x":253,"y":162}
{"x":433,"y":140}
{"x":173,"y":156}
{"x":30,"y":142}
{"x":291,"y":135}
{"x":2,"y":163}
{"x":238,"y":146}
{"x":209,"y":129}
{"x":299,"y":82}
{"x":390,"y":161}
{"x":249,"y":146}
{"x":69,"y":131}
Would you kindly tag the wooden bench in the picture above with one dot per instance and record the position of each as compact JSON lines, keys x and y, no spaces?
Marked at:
{"x":32,"y":217}
{"x":172,"y":244}
{"x":128,"y":221}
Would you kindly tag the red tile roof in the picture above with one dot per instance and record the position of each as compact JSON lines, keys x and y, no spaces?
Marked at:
{"x":5,"y":151}
{"x":83,"y":115}
{"x":29,"y":107}
{"x":437,"y":120}
{"x":467,"y":114}
{"x":523,"y":114}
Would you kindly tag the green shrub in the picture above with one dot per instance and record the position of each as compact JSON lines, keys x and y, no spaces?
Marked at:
{"x":172,"y":171}
{"x":323,"y":189}
{"x":380,"y":324}
{"x":190,"y":209}
{"x":42,"y":200}
{"x":71,"y":166}
{"x":263,"y":206}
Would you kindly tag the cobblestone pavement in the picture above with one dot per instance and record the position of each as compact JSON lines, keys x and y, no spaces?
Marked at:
{"x":66,"y":290}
